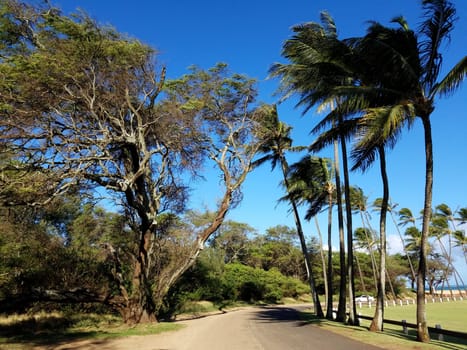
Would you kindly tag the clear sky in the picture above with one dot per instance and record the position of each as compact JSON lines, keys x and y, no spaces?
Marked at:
{"x":248,"y":35}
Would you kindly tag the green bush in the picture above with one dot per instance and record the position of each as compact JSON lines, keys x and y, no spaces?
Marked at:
{"x":253,"y":284}
{"x":227,"y":283}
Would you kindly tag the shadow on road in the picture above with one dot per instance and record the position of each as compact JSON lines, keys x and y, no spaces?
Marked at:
{"x":284,"y":314}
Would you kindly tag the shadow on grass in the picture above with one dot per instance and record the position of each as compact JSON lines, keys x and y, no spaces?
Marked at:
{"x":448,"y":343}
{"x":57,"y":330}
{"x":44,"y":331}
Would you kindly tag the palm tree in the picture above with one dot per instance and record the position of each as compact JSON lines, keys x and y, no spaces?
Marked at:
{"x":413,"y":240}
{"x":277,"y":143}
{"x":408,"y":66}
{"x":310,"y":183}
{"x":358,"y":201}
{"x":406,"y":217}
{"x":362,"y":240}
{"x":460,"y":238}
{"x":319,"y":63}
{"x":391,"y":209}
{"x":459,"y":235}
{"x":440,"y":228}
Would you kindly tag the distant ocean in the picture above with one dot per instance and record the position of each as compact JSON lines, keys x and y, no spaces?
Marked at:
{"x":451,"y":287}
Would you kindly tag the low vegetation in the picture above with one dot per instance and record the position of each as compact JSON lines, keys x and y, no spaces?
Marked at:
{"x":24,"y":331}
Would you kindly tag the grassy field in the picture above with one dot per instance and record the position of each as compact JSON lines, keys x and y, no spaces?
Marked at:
{"x":21,"y":332}
{"x":452,"y":316}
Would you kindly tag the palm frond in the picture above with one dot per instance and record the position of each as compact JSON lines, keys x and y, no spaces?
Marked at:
{"x":440,"y":16}
{"x":346,"y":129}
{"x":453,"y":79}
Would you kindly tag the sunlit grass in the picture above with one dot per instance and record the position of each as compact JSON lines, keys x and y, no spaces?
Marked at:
{"x":452,"y":316}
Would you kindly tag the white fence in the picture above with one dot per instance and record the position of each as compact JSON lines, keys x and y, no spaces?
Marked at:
{"x":408,"y":301}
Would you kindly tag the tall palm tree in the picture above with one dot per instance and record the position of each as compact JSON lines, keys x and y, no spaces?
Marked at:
{"x":358,"y":200}
{"x":409,"y":65}
{"x":319,"y":62}
{"x":406,"y":65}
{"x":310,"y":183}
{"x":277,"y":143}
{"x":439,"y":229}
{"x":362,"y":240}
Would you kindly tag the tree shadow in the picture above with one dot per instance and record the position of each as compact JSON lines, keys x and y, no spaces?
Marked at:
{"x":46,"y":331}
{"x":449,"y":342}
{"x":285,"y":314}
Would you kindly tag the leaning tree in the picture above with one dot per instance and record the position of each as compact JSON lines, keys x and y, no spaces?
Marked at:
{"x":87,"y":107}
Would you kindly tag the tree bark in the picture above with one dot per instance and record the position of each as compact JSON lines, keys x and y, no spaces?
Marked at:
{"x":341,"y":307}
{"x":329,"y":272}
{"x":353,"y":319}
{"x":422,"y":326}
{"x":377,"y":322}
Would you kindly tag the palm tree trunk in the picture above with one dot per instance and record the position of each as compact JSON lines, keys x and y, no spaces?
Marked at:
{"x":370,"y":252}
{"x":311,"y":280}
{"x":353,"y":318}
{"x":422,"y":326}
{"x":377,"y":322}
{"x":329,"y":272}
{"x":323,"y":259}
{"x":360,"y":274}
{"x":341,"y":307}
{"x":412,"y":270}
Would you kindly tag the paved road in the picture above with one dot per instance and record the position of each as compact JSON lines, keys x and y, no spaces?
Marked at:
{"x":266,"y":328}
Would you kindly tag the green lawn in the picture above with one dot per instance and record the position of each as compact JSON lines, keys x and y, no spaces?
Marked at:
{"x":450,"y":315}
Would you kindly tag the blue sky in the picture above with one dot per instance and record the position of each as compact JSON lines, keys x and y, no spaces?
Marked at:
{"x":248,"y":35}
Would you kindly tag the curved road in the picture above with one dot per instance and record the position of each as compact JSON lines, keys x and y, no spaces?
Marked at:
{"x":264,"y":328}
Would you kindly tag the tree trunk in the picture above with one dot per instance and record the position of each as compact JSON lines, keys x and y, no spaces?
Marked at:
{"x":341,"y":307}
{"x":329,"y":272}
{"x":139,"y":306}
{"x":323,"y":259}
{"x":137,"y":311}
{"x":311,"y":280}
{"x":412,"y":270}
{"x":377,"y":322}
{"x":353,"y":319}
{"x":362,"y":282}
{"x":374,"y":268}
{"x":422,"y":326}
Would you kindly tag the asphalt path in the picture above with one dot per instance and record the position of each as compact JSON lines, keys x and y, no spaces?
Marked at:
{"x":262,"y":328}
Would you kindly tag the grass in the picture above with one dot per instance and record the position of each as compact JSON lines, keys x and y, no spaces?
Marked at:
{"x":451,"y":316}
{"x":20,"y":332}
